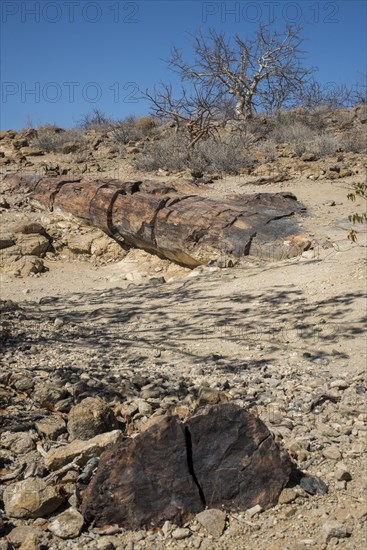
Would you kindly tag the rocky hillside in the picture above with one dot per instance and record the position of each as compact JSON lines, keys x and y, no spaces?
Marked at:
{"x":103,"y":345}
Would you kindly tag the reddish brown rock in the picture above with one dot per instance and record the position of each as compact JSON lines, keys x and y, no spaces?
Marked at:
{"x":144,"y":481}
{"x":186,"y":228}
{"x":223,"y":458}
{"x":235,"y":459}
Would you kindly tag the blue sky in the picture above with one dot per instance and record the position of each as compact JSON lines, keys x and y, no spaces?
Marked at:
{"x":62,"y":58}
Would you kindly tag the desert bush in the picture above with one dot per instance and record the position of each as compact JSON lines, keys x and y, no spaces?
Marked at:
{"x":50,"y":138}
{"x":323,"y":144}
{"x":169,"y":153}
{"x":268,"y":148}
{"x":354,"y":141}
{"x":209,"y":155}
{"x":132,"y":129}
{"x":228,"y":156}
{"x":96,"y":120}
{"x":146,"y":124}
{"x":297,"y":135}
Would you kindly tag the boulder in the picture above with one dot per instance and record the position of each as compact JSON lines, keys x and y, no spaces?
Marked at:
{"x":31,"y":498}
{"x":90,"y":417}
{"x":223,"y":457}
{"x":32,"y":244}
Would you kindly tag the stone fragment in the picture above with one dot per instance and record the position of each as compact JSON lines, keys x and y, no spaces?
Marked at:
{"x":32,"y":244}
{"x":213,"y":520}
{"x":181,"y":533}
{"x":254,"y":511}
{"x":211,"y":396}
{"x":313,"y":485}
{"x":235,"y":459}
{"x":48,"y":396}
{"x":67,"y":525}
{"x":23,"y":267}
{"x":287,"y":496}
{"x":19,"y":442}
{"x":334,"y":529}
{"x":31,"y":498}
{"x":18,"y":535}
{"x":80,"y":244}
{"x":146,"y":479}
{"x":57,"y":458}
{"x":32,"y":542}
{"x":6,"y":241}
{"x":51,"y":426}
{"x":342,"y":473}
{"x":332,"y":453}
{"x":90,"y":417}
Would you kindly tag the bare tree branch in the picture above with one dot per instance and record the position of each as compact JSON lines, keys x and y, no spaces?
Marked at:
{"x":247,"y":68}
{"x":195,"y":111}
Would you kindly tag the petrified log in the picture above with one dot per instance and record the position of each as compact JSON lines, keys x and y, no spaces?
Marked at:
{"x":186,"y":228}
{"x":224,"y":457}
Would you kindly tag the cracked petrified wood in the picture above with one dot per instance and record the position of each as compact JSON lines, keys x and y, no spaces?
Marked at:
{"x":181,"y":226}
{"x":224,"y":457}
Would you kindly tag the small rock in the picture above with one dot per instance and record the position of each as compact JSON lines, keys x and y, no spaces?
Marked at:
{"x":211,"y":396}
{"x":340,"y":384}
{"x":58,"y":322}
{"x":334,"y":529}
{"x":51,"y":426}
{"x":32,"y":542}
{"x":313,"y":485}
{"x":342,"y":473}
{"x":67,"y":525}
{"x":332,"y":453}
{"x":20,"y":534}
{"x":213,"y":520}
{"x":90,"y":417}
{"x":287,"y":496}
{"x":330,"y":203}
{"x":57,"y":458}
{"x":254,"y":511}
{"x":31,"y":498}
{"x":181,"y":533}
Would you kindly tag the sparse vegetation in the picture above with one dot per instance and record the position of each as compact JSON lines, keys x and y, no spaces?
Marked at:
{"x":57,"y":140}
{"x":359,"y":191}
{"x":132,"y":129}
{"x":210,"y":155}
{"x":355,"y":142}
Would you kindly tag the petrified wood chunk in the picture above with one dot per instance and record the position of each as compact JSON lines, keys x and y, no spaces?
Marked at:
{"x":224,"y":457}
{"x":187,"y":228}
{"x":237,"y":464}
{"x":144,"y":481}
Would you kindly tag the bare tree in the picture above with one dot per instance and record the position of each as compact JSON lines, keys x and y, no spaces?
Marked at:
{"x":331,"y":95}
{"x":359,"y":95}
{"x":195,"y":110}
{"x":247,"y":68}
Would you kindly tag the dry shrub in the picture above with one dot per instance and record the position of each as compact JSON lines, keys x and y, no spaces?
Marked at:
{"x":297,"y":135}
{"x":268,"y":148}
{"x":132,"y":129}
{"x":228,"y":156}
{"x":169,"y":153}
{"x":209,"y":155}
{"x":146,"y":124}
{"x":354,"y":141}
{"x":50,"y":138}
{"x":323,"y":144}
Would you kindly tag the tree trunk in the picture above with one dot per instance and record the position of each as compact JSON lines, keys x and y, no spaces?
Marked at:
{"x":240,"y":105}
{"x":186,"y":228}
